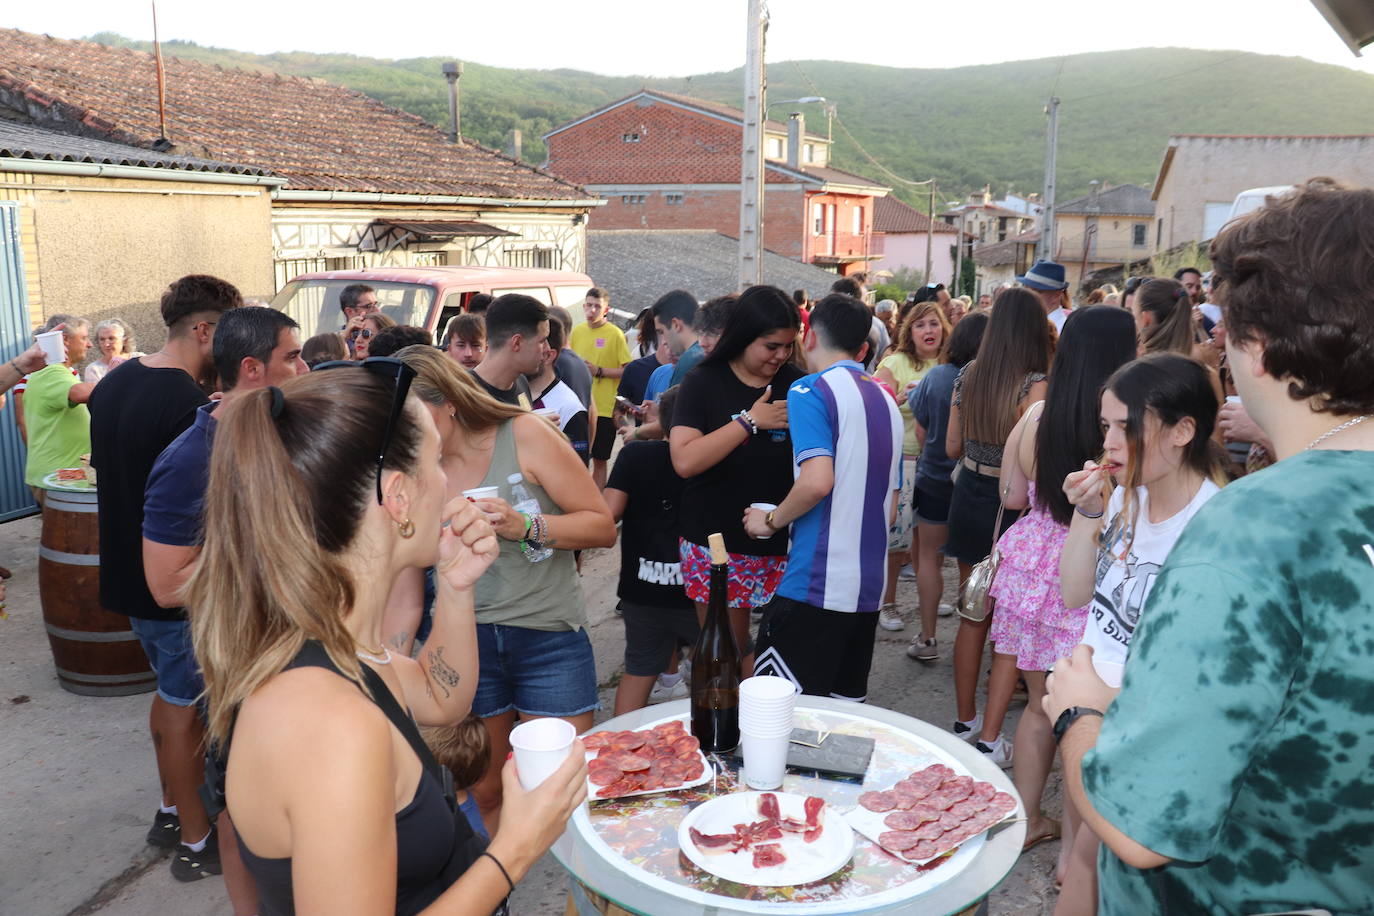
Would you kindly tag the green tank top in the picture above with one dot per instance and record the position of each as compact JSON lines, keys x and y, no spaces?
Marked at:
{"x":514,"y":591}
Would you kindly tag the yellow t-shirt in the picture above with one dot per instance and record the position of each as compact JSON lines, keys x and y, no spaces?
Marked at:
{"x":605,"y":347}
{"x":904,"y":371}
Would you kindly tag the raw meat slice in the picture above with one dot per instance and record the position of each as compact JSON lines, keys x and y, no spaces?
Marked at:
{"x":813,"y":834}
{"x":898,"y":840}
{"x":768,"y":807}
{"x":767,"y":855}
{"x":878,"y":802}
{"x":958,"y":787}
{"x":814,"y":808}
{"x":713,"y":844}
{"x":931,"y":830}
{"x":686,"y":746}
{"x":632,"y":762}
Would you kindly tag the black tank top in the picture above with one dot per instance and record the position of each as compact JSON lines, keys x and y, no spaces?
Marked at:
{"x":434,"y":842}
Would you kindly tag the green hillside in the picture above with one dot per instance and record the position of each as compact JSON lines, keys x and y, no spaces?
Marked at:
{"x":967,"y":126}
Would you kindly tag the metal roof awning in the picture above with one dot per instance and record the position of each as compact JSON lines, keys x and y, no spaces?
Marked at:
{"x":1352,"y":20}
{"x":442,"y":230}
{"x":834,"y":260}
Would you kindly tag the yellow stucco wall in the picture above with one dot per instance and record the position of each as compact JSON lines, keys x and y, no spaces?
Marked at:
{"x":108,"y":247}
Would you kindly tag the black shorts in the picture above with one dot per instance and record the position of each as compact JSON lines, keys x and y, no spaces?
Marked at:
{"x":825,"y":653}
{"x":604,"y":440}
{"x":652,"y":634}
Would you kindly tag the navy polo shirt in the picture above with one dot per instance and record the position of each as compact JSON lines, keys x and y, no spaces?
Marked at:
{"x":175,"y":496}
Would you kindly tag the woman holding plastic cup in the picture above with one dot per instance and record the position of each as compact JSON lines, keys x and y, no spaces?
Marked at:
{"x":311,"y":512}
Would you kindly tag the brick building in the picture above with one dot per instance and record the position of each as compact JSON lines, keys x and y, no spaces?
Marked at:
{"x":666,"y":161}
{"x":360,"y":176}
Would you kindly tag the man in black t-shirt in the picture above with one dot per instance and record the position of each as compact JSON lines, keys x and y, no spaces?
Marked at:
{"x":517,"y":340}
{"x":136,"y":412}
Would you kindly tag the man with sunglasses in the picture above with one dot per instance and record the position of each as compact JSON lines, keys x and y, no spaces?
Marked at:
{"x":356,"y":301}
{"x":136,"y":412}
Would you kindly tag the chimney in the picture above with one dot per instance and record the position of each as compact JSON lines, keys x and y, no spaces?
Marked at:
{"x":513,"y":143}
{"x":796,"y":130}
{"x":453,"y":71}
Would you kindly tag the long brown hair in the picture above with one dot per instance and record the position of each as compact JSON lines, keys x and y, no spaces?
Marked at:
{"x":286,"y":497}
{"x":1016,"y":344}
{"x":1172,"y":310}
{"x":439,"y":380}
{"x":903,"y":343}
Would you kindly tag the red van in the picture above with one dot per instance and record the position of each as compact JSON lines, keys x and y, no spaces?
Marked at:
{"x":428,"y":297}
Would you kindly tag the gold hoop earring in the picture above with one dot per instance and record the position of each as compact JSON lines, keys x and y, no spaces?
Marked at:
{"x":406,"y":529}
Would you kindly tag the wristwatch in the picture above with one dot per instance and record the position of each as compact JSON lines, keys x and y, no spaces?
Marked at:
{"x":1070,"y":716}
{"x":768,"y":520}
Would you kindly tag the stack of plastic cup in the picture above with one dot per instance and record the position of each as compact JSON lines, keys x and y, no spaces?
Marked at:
{"x":766,"y":705}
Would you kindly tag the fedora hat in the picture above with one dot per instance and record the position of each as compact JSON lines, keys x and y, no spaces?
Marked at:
{"x":1044,"y":275}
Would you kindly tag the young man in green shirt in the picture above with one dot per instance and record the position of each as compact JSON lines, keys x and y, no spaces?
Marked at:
{"x":55,"y":414}
{"x":603,"y":348}
{"x":1232,"y":774}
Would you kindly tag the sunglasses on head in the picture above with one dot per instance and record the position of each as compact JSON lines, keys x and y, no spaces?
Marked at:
{"x":399,"y":373}
{"x":364,"y":333}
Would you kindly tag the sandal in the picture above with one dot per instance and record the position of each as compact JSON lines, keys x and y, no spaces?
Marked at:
{"x":1056,"y":831}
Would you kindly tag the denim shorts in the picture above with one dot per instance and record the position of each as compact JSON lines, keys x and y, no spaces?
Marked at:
{"x":652,"y":635}
{"x":167,"y":643}
{"x":932,"y":501}
{"x":535,"y":672}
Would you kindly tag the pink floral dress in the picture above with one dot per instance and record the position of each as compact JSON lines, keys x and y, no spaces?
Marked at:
{"x":1030,"y":620}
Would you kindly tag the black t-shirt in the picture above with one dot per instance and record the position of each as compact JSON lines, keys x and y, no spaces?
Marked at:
{"x":136,"y":412}
{"x":511,"y":395}
{"x":759,"y":471}
{"x":650,"y":572}
{"x":635,"y":378}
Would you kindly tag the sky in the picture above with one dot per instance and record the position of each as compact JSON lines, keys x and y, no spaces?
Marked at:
{"x":634,"y":37}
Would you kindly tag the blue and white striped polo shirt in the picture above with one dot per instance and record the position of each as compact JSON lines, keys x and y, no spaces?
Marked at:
{"x":838,"y":557}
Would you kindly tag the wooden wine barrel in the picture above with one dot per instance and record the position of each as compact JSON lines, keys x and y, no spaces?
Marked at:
{"x":95,"y":651}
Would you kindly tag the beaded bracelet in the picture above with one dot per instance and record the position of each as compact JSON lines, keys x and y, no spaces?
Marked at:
{"x":1079,"y":510}
{"x":747,"y":417}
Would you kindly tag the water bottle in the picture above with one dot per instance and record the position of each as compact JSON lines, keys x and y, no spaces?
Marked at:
{"x":522,"y":501}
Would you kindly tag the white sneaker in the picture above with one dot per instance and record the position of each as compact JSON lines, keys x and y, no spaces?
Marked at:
{"x":923,"y":650}
{"x":946,"y":610}
{"x":1001,"y":756}
{"x":889,"y":618}
{"x":661,"y":693}
{"x":968,"y":733}
{"x":907,"y":574}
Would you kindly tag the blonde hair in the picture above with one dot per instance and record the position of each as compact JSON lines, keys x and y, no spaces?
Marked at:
{"x":902,"y":342}
{"x":440,"y":381}
{"x":286,"y":497}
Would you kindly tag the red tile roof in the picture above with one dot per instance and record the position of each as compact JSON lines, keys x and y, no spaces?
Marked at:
{"x":317,"y":135}
{"x":724,"y":110}
{"x":893,"y":215}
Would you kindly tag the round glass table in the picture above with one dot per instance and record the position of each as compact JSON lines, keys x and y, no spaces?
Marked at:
{"x":625,"y":852}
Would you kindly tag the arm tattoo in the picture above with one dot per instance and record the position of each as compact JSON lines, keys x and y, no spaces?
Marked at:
{"x":441,"y":672}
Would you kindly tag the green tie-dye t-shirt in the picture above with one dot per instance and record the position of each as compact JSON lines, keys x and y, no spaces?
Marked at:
{"x":1242,"y":744}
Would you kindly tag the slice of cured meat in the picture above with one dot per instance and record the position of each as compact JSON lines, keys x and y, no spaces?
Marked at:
{"x":628,"y":741}
{"x":595,"y":741}
{"x":983,"y":791}
{"x":686,"y":746}
{"x":712,"y":843}
{"x":903,"y":820}
{"x":603,"y":776}
{"x":898,"y":840}
{"x":632,"y":762}
{"x":966,"y":808}
{"x":926,"y":849}
{"x":958,"y":787}
{"x":930,"y":830}
{"x":905,"y":801}
{"x":768,"y":807}
{"x":878,"y":802}
{"x":1002,"y":802}
{"x":767,"y":855}
{"x":814,"y":808}
{"x":949,"y":820}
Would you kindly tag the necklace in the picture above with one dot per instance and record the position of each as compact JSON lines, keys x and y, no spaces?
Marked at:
{"x":1354,"y":421}
{"x":383,"y":659}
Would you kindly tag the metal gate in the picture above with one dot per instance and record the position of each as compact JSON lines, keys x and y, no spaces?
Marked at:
{"x":15,"y":499}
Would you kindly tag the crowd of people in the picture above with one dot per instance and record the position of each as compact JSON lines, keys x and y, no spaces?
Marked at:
{"x":305,"y":538}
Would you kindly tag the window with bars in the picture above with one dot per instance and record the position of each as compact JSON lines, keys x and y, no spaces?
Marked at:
{"x":672,"y":200}
{"x":546,"y":258}
{"x":632,"y":199}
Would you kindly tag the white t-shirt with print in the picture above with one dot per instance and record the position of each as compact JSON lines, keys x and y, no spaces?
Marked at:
{"x":1123,"y":583}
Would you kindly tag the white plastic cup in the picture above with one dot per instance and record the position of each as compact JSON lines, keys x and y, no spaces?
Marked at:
{"x":1111,"y":673}
{"x":482,"y":493}
{"x":1233,"y":399}
{"x":763,"y":507}
{"x":765,"y":760}
{"x":541,"y":746}
{"x":53,"y":349}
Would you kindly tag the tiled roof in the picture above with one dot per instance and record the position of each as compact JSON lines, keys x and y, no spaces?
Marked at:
{"x":893,"y":215}
{"x":1004,"y":252}
{"x":832,"y":176}
{"x":23,"y":141}
{"x":638,"y":266}
{"x":1126,"y":200}
{"x":718,"y":108}
{"x":316,"y":135}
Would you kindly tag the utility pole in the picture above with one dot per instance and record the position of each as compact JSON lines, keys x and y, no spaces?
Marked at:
{"x":1046,"y":249}
{"x":751,"y":165}
{"x":930,"y":233}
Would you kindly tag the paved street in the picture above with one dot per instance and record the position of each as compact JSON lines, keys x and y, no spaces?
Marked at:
{"x":78,"y":787}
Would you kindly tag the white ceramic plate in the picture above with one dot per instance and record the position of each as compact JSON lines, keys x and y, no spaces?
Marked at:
{"x":806,"y":862}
